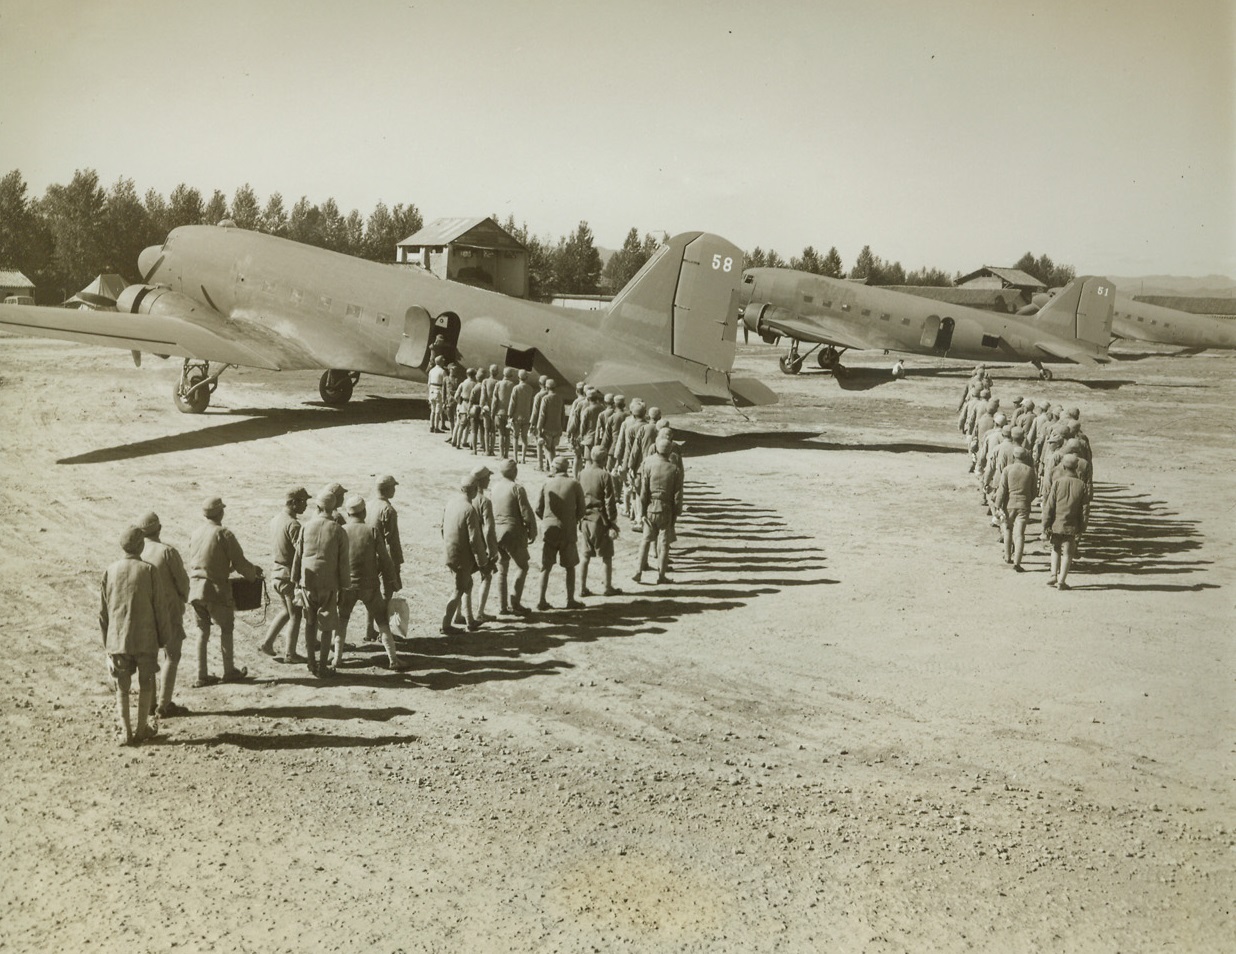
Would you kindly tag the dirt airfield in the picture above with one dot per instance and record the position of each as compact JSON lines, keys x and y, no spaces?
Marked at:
{"x":846,"y":725}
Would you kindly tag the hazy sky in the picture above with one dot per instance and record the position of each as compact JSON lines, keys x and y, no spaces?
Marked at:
{"x":952,"y":133}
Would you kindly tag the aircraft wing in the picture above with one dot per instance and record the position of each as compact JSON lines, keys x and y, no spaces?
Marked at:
{"x":158,"y":334}
{"x":672,"y":397}
{"x":1070,"y":351}
{"x":825,"y":329}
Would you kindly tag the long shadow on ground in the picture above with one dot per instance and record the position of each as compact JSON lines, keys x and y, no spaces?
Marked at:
{"x":705,"y":445}
{"x":261,"y":423}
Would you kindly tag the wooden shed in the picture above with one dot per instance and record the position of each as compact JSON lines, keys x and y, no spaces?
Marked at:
{"x":475,"y":251}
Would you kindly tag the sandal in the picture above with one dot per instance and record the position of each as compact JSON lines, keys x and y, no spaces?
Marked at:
{"x":207,"y":680}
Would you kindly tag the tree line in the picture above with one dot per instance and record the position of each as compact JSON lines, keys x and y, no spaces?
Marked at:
{"x":73,"y":232}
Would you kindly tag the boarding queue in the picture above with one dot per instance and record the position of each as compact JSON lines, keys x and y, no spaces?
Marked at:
{"x":1033,"y":450}
{"x":620,"y":461}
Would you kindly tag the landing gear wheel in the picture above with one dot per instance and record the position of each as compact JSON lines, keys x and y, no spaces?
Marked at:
{"x":335,"y":387}
{"x":826,"y":359}
{"x":1045,"y":374}
{"x":187,"y":401}
{"x":790,"y":365}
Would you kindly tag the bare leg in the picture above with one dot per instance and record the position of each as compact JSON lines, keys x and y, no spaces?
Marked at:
{"x":583,"y":576}
{"x":122,"y":707}
{"x":145,"y":701}
{"x":544,"y":587}
{"x":1066,"y":560}
{"x":486,"y":580}
{"x":171,"y":662}
{"x":504,"y":566}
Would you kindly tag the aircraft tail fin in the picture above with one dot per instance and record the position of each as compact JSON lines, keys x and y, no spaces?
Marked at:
{"x":684,"y":301}
{"x":1082,"y":310}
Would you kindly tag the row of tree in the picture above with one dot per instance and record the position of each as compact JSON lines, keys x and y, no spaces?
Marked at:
{"x":73,"y":232}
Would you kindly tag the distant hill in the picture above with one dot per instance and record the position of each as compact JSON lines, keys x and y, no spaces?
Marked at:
{"x":1209,"y":286}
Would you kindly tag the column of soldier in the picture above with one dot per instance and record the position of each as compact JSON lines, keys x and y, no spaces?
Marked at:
{"x":349,"y":553}
{"x":1034,"y":451}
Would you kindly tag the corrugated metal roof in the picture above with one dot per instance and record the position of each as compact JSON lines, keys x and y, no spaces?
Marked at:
{"x":443,"y":231}
{"x":11,"y":278}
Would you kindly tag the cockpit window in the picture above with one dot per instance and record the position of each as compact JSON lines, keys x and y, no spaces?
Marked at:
{"x":748,"y":279}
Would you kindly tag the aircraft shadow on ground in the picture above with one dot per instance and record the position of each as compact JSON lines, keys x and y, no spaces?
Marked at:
{"x":261,"y":423}
{"x":705,"y":445}
{"x":1131,"y":534}
{"x":255,"y":742}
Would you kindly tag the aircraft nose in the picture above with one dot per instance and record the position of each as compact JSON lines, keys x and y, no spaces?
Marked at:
{"x":149,"y":260}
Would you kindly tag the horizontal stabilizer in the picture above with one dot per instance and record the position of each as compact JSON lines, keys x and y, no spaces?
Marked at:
{"x":1067,"y":351}
{"x":749,"y":392}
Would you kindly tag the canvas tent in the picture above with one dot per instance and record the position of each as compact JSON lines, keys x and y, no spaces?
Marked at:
{"x":100,"y":294}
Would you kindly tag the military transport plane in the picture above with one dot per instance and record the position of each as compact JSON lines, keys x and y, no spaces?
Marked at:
{"x":836,"y":315}
{"x":225,"y":296}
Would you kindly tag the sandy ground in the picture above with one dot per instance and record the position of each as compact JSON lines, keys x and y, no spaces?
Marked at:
{"x":845,"y":726}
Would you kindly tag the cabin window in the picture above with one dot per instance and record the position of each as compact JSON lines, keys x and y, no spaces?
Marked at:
{"x":1141,"y":318}
{"x":325,"y":300}
{"x":828,"y":303}
{"x":905,"y":321}
{"x":866,"y":312}
{"x":991,"y":341}
{"x":354,"y":311}
{"x":808,"y":299}
{"x":748,"y":279}
{"x":884,"y":316}
{"x":845,"y":307}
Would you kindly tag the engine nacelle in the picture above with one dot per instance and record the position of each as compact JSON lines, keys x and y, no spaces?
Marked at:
{"x":157,"y":300}
{"x":756,"y":316}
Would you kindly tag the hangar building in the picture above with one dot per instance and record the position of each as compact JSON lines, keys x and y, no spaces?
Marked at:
{"x":475,"y":251}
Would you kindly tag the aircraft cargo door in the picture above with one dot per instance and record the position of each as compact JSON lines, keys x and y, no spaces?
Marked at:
{"x":706,"y":302}
{"x":414,"y":345}
{"x":937,"y":334}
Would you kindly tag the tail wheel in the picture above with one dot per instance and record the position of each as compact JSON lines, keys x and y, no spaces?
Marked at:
{"x":790,"y":365}
{"x":335,"y":387}
{"x":189,"y":401}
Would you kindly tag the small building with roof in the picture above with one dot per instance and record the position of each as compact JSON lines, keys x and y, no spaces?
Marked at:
{"x":989,"y":276}
{"x":474,"y":251}
{"x":13,"y":282}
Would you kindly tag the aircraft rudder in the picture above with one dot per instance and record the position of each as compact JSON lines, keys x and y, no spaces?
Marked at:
{"x":1082,"y":310}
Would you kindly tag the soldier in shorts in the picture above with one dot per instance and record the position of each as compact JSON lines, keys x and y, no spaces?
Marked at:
{"x":519,"y":412}
{"x":285,"y":531}
{"x":560,"y":506}
{"x":320,"y":573}
{"x":600,"y":520}
{"x":661,"y":496}
{"x":515,"y":527}
{"x":171,"y":569}
{"x":370,"y":569}
{"x":134,"y":623}
{"x":501,"y":411}
{"x":465,"y":552}
{"x":437,"y":398}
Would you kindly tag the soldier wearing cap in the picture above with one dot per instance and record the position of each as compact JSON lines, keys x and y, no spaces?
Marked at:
{"x":336,"y":491}
{"x":1016,"y":489}
{"x":465,"y":552}
{"x":661,"y":498}
{"x":437,"y":391}
{"x":501,"y":411}
{"x":534,"y":417}
{"x":175,"y":585}
{"x":627,"y":433}
{"x":320,"y":572}
{"x":1064,"y":519}
{"x":384,"y":519}
{"x":489,"y":384}
{"x":560,"y":506}
{"x":285,"y":531}
{"x":600,"y":521}
{"x":515,"y":527}
{"x":214,"y":552}
{"x":573,"y":416}
{"x":370,"y":571}
{"x":485,"y":511}
{"x":519,"y":412}
{"x":133,"y":619}
{"x":548,"y":424}
{"x":603,"y":424}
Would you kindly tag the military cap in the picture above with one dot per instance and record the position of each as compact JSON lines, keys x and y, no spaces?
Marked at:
{"x":296,"y":493}
{"x":1000,"y":418}
{"x":619,"y":400}
{"x":560,"y":465}
{"x":523,"y":375}
{"x":212,"y":505}
{"x":494,"y":370}
{"x":664,"y":442}
{"x":337,"y":489}
{"x":132,"y":540}
{"x":1017,"y":401}
{"x":1018,"y":433}
{"x":386,"y":480}
{"x":326,"y":499}
{"x":507,"y":467}
{"x":1069,"y":462}
{"x":480,"y":475}
{"x":440,"y":361}
{"x":467,"y":482}
{"x":993,"y":405}
{"x":550,"y":383}
{"x":609,"y":399}
{"x":150,"y":523}
{"x":598,"y":453}
{"x":663,"y":424}
{"x":1006,"y":431}
{"x":1074,"y":412}
{"x":654,"y":413}
{"x":1028,"y":404}
{"x":353,"y":503}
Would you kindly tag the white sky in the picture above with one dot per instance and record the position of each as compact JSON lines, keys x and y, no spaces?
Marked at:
{"x":951,"y":133}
